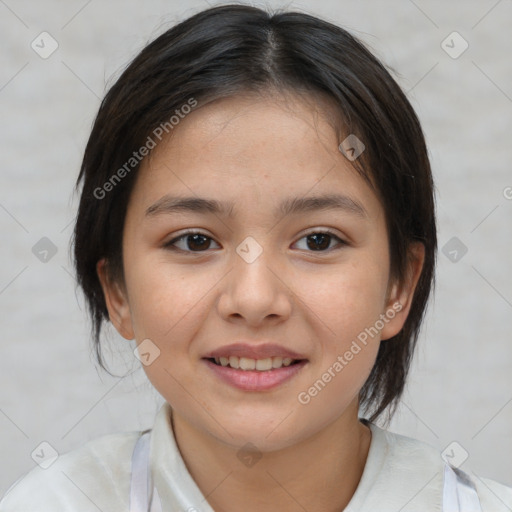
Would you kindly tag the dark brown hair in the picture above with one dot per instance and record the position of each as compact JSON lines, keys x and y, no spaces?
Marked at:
{"x":233,"y":49}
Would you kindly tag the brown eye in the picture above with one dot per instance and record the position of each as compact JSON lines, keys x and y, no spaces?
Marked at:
{"x":197,"y":242}
{"x":321,"y":241}
{"x":318,"y":241}
{"x":190,"y":242}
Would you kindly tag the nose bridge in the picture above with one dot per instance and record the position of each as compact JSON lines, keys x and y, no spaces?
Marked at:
{"x":255,"y":290}
{"x":251,"y":267}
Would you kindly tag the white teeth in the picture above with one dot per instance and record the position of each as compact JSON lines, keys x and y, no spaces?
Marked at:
{"x":277,"y":362}
{"x":264,"y":364}
{"x":246,"y":363}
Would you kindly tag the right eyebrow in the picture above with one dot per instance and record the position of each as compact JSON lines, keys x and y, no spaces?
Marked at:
{"x":170,"y":204}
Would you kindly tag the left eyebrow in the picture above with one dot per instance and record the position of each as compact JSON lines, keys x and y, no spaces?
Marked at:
{"x":295,"y":205}
{"x":346,"y":204}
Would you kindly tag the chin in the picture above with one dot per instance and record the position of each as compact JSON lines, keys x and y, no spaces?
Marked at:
{"x":267,"y":430}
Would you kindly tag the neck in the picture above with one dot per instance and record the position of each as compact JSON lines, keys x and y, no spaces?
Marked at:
{"x":319,"y":473}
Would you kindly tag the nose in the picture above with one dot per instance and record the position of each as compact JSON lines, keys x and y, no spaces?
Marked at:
{"x":255,"y":291}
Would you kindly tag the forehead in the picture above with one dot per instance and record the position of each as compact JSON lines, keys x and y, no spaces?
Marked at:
{"x":250,"y":151}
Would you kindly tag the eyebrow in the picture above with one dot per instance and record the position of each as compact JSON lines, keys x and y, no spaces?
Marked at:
{"x":295,"y":205}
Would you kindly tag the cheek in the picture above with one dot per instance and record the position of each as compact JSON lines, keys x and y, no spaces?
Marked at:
{"x":167,"y":307}
{"x":347,"y":306}
{"x":346,"y":300}
{"x":162,"y":296}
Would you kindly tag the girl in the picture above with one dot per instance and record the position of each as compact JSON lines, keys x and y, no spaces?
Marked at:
{"x":257,"y":212}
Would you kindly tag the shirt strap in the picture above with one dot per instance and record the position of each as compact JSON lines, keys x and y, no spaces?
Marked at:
{"x":141,"y":483}
{"x":139,"y":497}
{"x":459,"y":492}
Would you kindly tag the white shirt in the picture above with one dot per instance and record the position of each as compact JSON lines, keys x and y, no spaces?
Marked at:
{"x":400,"y":474}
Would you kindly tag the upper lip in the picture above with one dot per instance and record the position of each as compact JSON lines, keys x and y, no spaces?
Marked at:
{"x":252,"y":351}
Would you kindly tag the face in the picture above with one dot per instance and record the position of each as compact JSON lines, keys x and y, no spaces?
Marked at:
{"x":250,"y":271}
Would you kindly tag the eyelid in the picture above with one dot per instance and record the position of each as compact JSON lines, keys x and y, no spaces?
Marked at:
{"x":323,"y":230}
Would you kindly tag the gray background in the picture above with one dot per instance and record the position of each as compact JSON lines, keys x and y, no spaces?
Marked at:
{"x":460,"y":388}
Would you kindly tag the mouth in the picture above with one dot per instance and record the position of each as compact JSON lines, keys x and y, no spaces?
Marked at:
{"x":260,"y":365}
{"x":256,"y":375}
{"x":254,"y":367}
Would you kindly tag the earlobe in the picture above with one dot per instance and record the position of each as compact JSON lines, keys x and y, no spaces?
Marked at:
{"x":400,"y":296}
{"x":116,"y":301}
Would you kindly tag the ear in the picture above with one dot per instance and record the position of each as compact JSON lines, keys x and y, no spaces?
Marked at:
{"x":400,"y":295}
{"x":116,"y":301}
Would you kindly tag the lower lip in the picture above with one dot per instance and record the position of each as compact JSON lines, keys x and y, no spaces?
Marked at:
{"x":255,"y":380}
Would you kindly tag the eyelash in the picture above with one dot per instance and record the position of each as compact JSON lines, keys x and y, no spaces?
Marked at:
{"x":170,"y":245}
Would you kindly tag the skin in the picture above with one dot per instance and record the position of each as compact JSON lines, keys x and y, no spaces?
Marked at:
{"x":257,"y":151}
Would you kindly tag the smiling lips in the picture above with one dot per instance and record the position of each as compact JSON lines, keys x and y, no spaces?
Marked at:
{"x":254,"y":367}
